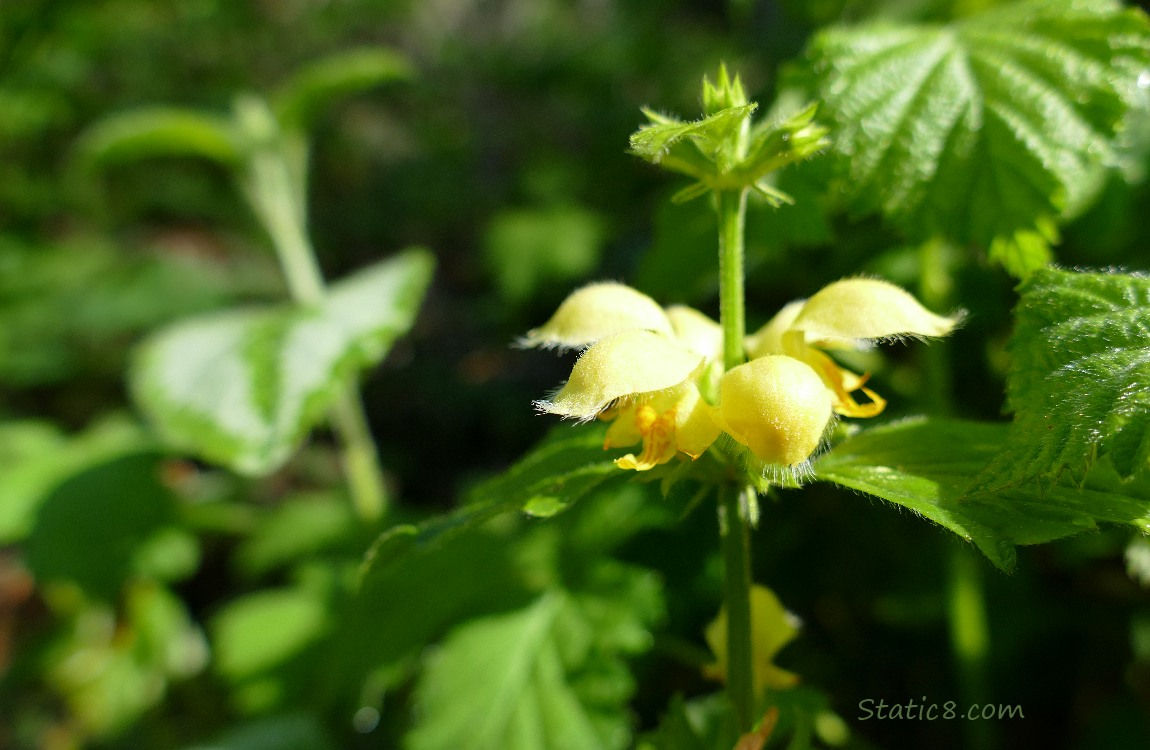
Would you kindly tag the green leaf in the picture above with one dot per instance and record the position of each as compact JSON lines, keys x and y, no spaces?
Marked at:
{"x":288,"y":732}
{"x":313,"y":88}
{"x":527,"y":248}
{"x":159,"y":131}
{"x":547,"y":676}
{"x":675,"y":731}
{"x":36,"y":458}
{"x":111,"y":665}
{"x":928,"y":467}
{"x":688,"y":147}
{"x":567,"y":466}
{"x":303,"y":525}
{"x":260,"y":631}
{"x":93,"y":529}
{"x":244,"y":388}
{"x":472,"y":574}
{"x":986,"y":127}
{"x":1080,"y":382}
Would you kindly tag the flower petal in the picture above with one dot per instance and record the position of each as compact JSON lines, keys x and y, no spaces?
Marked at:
{"x":595,"y":312}
{"x":843,"y":383}
{"x":769,"y":338}
{"x":626,"y":364}
{"x":696,"y":331}
{"x":696,"y":425}
{"x":667,"y":422}
{"x":868,"y":309}
{"x":777,"y":406}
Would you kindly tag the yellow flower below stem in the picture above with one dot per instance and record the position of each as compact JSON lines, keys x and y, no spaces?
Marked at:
{"x":772,"y":627}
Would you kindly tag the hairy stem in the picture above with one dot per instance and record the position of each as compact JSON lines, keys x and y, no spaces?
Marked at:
{"x":736,"y":545}
{"x":732,"y":210}
{"x":732,"y":207}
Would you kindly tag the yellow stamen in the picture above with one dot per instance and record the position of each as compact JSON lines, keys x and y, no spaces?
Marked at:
{"x":658,"y":433}
{"x":842,"y":383}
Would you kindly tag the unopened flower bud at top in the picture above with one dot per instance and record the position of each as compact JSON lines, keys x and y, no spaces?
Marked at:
{"x":777,"y":406}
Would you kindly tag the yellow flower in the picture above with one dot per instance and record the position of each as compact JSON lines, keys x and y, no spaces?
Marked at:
{"x":848,"y":314}
{"x":777,"y":406}
{"x":772,"y":627}
{"x":651,"y":371}
{"x":640,"y":369}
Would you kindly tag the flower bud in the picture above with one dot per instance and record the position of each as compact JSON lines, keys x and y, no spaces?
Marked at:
{"x":777,"y":406}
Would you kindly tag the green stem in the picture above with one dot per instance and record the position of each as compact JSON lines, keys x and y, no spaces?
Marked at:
{"x":278,"y":202}
{"x":360,"y":456}
{"x":737,"y":595}
{"x":966,"y":599}
{"x":732,"y":208}
{"x":970,"y":640}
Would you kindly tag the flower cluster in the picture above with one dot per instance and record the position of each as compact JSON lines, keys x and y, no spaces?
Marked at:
{"x":656,"y":373}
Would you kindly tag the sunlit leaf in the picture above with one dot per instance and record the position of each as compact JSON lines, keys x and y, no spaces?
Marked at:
{"x":688,"y":147}
{"x":259,"y":631}
{"x":1080,"y":382}
{"x":987,"y":127}
{"x":928,"y":467}
{"x":244,"y":388}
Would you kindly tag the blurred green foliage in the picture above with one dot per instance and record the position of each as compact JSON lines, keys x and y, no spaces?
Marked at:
{"x":147,"y":600}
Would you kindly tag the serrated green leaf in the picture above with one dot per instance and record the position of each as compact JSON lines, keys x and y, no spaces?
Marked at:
{"x":315,"y":86}
{"x":473,"y":574}
{"x":688,"y":147}
{"x":244,"y":388}
{"x":160,"y":131}
{"x":565,"y":467}
{"x":929,"y":466}
{"x":1080,"y":383}
{"x":569,"y":464}
{"x":983,"y":128}
{"x":547,"y":676}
